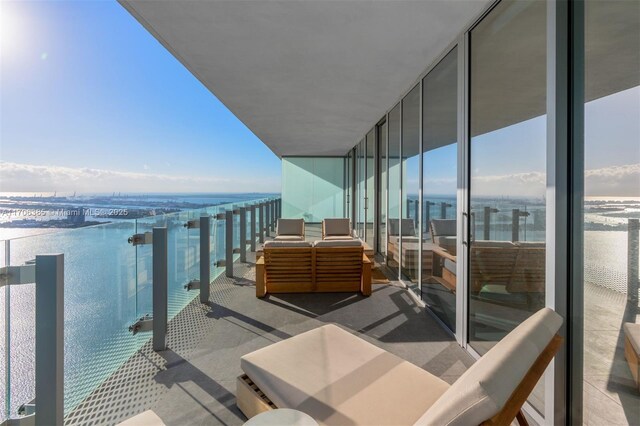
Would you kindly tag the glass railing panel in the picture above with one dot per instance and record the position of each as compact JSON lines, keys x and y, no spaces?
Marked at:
{"x":144,"y":266}
{"x":4,"y":341}
{"x":183,"y":258}
{"x":99,"y":306}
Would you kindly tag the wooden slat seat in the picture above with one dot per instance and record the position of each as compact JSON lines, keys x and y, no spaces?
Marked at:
{"x":313,"y":269}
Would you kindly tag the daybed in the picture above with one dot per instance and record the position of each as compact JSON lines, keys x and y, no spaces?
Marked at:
{"x":340,"y":379}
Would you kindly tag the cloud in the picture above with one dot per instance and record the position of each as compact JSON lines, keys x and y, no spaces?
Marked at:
{"x":530,"y":184}
{"x":613,"y":181}
{"x":16,"y":177}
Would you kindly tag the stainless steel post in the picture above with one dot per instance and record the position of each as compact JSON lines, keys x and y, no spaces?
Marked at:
{"x":515,"y":225}
{"x":261,"y":223}
{"x":49,"y":339}
{"x":252,"y":214}
{"x":633,"y":240}
{"x":487,"y":223}
{"x":160,"y":288}
{"x":229,"y":243}
{"x":205,"y":258}
{"x":243,"y":234}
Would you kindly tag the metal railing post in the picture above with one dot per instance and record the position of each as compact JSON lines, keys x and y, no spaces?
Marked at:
{"x":160,"y":288}
{"x":515,"y":225}
{"x":243,"y":234}
{"x":272,"y":206}
{"x":205,"y":258}
{"x":443,"y":209}
{"x":267,"y":223}
{"x":633,"y":241}
{"x":229,"y":243}
{"x":49,"y":339}
{"x":416,"y":205}
{"x":252,"y":216}
{"x":261,"y":223}
{"x":487,"y":223}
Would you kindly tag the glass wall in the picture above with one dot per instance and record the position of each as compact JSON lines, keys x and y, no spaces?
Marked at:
{"x":507,"y":172}
{"x":611,"y":209}
{"x":382,"y":192}
{"x":410,"y":187}
{"x":348,"y":185}
{"x":312,"y":188}
{"x":370,"y":187}
{"x":393,"y":231}
{"x":360,"y":189}
{"x":439,"y":178}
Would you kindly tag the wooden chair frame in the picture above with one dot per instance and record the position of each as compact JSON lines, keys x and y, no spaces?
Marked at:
{"x":252,"y":401}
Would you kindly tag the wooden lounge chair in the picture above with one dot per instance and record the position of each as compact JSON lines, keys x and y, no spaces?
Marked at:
{"x":300,"y":267}
{"x":289,"y":230}
{"x":340,"y":379}
{"x":632,"y":349}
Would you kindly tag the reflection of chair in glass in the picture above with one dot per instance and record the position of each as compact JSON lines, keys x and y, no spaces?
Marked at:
{"x":506,"y":273}
{"x":410,"y":246}
{"x":290,"y":230}
{"x":337,"y":229}
{"x":376,"y":387}
{"x":443,"y":234}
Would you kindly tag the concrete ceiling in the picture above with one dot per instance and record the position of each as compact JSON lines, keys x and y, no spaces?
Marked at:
{"x":307,"y":77}
{"x":312,"y":77}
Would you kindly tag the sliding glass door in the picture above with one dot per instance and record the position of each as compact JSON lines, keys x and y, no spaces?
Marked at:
{"x":409,"y":225}
{"x":369,"y":192}
{"x":393,"y":231}
{"x":507,"y":184}
{"x":382,"y":188}
{"x":439,"y":188}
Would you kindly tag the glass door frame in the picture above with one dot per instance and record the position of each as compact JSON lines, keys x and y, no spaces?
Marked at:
{"x":379,"y":196}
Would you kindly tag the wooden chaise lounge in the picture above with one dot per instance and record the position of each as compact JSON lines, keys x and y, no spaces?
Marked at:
{"x":340,"y":379}
{"x":302,"y":267}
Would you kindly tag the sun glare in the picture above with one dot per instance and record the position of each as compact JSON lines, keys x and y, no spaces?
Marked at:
{"x":11,"y":29}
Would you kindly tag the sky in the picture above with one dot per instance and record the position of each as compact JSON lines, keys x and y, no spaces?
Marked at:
{"x":91,"y":102}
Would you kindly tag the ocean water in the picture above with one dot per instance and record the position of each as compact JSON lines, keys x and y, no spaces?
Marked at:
{"x":107,"y":287}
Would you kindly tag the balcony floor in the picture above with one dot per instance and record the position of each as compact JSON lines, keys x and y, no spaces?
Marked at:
{"x":193,"y":382}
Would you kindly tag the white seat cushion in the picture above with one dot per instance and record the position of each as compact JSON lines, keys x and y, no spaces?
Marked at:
{"x":443,"y":227}
{"x":337,"y":226}
{"x":290,"y":227}
{"x":274,"y":243}
{"x":482,"y":391}
{"x":147,"y":418}
{"x":340,"y":379}
{"x":338,"y":243}
{"x":338,"y":237}
{"x":289,"y":238}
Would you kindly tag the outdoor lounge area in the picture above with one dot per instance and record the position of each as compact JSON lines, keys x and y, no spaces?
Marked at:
{"x":452,"y":235}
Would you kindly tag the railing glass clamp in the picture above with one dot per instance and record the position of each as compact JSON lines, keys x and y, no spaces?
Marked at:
{"x":192,"y":285}
{"x":192,"y":224}
{"x":27,"y":409}
{"x":143,"y":324}
{"x":24,"y":274}
{"x":141,"y":239}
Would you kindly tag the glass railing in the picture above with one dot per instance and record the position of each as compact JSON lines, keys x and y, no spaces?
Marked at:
{"x":108,"y":285}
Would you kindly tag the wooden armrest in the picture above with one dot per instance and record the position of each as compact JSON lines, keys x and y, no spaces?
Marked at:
{"x":261,"y":286}
{"x":260,"y":261}
{"x":443,"y":253}
{"x":365,"y":284}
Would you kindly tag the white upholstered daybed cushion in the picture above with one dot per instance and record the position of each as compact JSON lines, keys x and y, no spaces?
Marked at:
{"x":340,"y":379}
